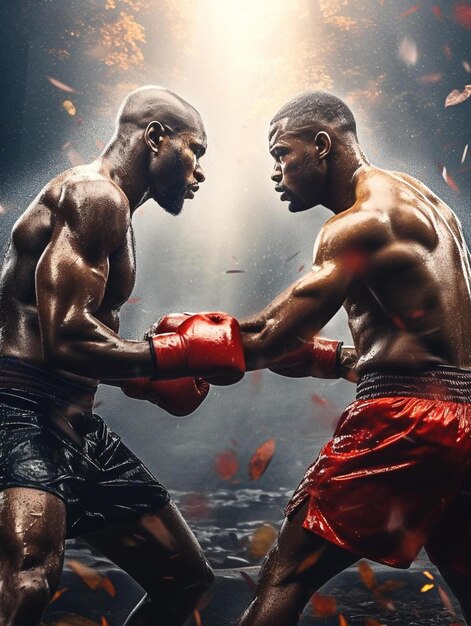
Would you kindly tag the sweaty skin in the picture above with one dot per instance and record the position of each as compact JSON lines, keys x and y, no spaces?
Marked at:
{"x":397,"y":261}
{"x":394,"y":256}
{"x":69,"y":267}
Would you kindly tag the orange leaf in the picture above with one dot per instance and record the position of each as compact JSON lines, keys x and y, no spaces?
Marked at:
{"x":390,"y":585}
{"x":367,"y":575}
{"x":413,"y":9}
{"x":261,"y":458}
{"x":197,"y":616}
{"x":310,"y":560}
{"x":108,"y":586}
{"x":342,"y":620}
{"x":91,"y":578}
{"x":261,"y":541}
{"x":372,"y":622}
{"x":104,"y":621}
{"x":462,"y":14}
{"x":58,"y":594}
{"x":323,"y":606}
{"x":446,"y":601}
{"x":226,"y":464}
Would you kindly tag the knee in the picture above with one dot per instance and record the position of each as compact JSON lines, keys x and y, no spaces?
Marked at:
{"x":32,"y":568}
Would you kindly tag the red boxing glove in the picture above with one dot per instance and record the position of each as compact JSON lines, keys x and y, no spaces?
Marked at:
{"x":205,"y":344}
{"x":318,"y":357}
{"x":178,"y":397}
{"x":167,"y":324}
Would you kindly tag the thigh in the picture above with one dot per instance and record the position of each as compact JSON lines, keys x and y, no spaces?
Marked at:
{"x":155,"y":547}
{"x":300,"y":556}
{"x":32,"y":530}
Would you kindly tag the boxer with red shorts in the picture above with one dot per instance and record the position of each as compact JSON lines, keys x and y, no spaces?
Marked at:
{"x":395,"y":475}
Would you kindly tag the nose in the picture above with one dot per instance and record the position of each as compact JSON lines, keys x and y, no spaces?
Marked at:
{"x":199,"y":174}
{"x":276,"y":175}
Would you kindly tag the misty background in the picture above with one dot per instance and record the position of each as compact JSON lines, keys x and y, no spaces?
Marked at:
{"x":235,"y":246}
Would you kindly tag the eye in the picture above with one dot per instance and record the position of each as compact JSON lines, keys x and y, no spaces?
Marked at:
{"x":279,"y":153}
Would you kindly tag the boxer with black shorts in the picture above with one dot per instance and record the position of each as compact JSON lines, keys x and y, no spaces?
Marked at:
{"x":396,"y":474}
{"x":69,"y":267}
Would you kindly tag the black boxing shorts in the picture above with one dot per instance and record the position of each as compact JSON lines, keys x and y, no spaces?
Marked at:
{"x":100,"y":480}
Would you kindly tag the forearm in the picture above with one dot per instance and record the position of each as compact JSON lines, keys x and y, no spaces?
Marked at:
{"x":89,"y":348}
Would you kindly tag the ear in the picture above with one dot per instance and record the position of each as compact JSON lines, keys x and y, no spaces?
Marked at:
{"x":323,"y":143}
{"x":153,"y":135}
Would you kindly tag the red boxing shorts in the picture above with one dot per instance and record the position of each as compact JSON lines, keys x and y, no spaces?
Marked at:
{"x":393,"y":477}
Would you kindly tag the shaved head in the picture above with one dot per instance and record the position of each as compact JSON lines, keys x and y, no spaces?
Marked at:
{"x":153,"y":103}
{"x":318,"y":110}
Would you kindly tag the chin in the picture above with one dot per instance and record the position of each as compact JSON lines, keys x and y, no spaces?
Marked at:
{"x":173,"y":206}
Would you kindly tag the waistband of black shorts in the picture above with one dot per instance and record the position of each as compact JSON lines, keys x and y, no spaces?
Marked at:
{"x":21,"y":376}
{"x":447,"y":384}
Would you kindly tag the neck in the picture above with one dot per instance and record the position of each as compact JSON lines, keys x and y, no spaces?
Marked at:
{"x":348,"y":165}
{"x":129,"y":171}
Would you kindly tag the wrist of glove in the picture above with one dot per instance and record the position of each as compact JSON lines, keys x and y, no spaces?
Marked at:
{"x":319,"y":358}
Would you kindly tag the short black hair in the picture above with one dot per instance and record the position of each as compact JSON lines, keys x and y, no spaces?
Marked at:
{"x":313,"y":107}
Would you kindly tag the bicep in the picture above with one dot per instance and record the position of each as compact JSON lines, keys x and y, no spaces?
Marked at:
{"x":71,"y":278}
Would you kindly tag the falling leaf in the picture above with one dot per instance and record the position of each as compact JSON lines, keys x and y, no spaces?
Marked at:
{"x":301,"y":268}
{"x":251,"y":584}
{"x":408,"y":52}
{"x":226,"y":464}
{"x":342,"y":620}
{"x":310,"y":560}
{"x":465,"y":152}
{"x":133,"y":300}
{"x":323,"y":606}
{"x":437,"y":11}
{"x":234,"y":272}
{"x":69,"y":107}
{"x":457,"y":96}
{"x":2,"y":210}
{"x":195,"y":505}
{"x":261,"y":458}
{"x":467,"y":66}
{"x":58,"y":594}
{"x":290,"y":258}
{"x":446,"y":601}
{"x":430,"y":79}
{"x":449,"y":180}
{"x":92,"y":578}
{"x":158,"y":528}
{"x":367,"y":574}
{"x":317,"y":399}
{"x":108,"y":586}
{"x":261,"y":541}
{"x":413,"y":9}
{"x":104,"y":621}
{"x":390,"y":585}
{"x":462,"y":14}
{"x":428,"y":575}
{"x":427,"y":587}
{"x":197,"y":616}
{"x":60,"y":85}
{"x":89,"y":576}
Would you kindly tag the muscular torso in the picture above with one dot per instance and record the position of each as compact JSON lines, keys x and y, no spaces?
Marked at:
{"x":31,"y":234}
{"x":412,"y":304}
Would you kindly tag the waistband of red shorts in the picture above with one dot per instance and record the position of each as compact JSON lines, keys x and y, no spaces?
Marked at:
{"x":443,"y":383}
